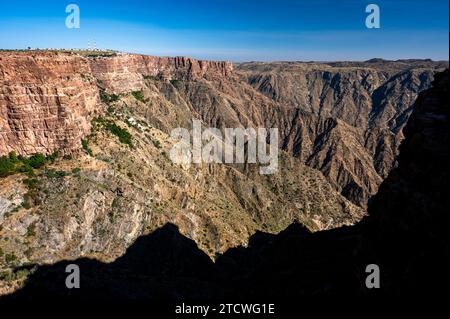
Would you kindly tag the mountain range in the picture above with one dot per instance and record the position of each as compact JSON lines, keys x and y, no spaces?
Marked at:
{"x":101,"y":124}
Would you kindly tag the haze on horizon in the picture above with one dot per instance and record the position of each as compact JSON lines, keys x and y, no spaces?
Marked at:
{"x":236,"y":30}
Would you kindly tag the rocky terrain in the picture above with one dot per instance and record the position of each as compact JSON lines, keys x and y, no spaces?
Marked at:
{"x":403,"y":234}
{"x":344,"y":119}
{"x":104,"y":124}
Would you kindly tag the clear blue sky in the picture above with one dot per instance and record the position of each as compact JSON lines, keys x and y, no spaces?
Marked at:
{"x":237,"y":30}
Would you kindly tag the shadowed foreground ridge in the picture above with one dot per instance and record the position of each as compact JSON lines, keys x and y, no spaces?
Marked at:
{"x":404,"y":235}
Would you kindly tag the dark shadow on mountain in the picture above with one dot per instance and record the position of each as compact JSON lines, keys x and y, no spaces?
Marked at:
{"x":162,"y":265}
{"x":405,"y":235}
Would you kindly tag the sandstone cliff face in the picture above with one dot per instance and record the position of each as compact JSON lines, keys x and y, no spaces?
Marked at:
{"x":125,"y":73}
{"x":48,"y":99}
{"x":46,"y":102}
{"x":344,"y":119}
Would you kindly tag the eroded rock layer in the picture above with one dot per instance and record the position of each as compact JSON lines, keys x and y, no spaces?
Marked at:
{"x":340,"y":127}
{"x":48,"y":99}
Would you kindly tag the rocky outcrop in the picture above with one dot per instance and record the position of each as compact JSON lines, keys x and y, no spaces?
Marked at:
{"x":360,"y":106}
{"x":344,"y":118}
{"x":127,"y":72}
{"x":340,"y":126}
{"x":404,"y":235}
{"x":48,"y":99}
{"x":46,"y":102}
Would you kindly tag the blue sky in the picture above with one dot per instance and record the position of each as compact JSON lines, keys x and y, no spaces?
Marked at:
{"x":236,"y":30}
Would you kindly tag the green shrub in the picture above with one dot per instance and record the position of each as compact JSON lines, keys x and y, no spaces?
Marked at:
{"x":51,"y":173}
{"x":32,"y":183}
{"x":7,"y":276}
{"x":36,"y":160}
{"x":151,"y":77}
{"x":10,"y":258}
{"x":13,"y":157}
{"x":108,"y":98}
{"x":52,"y":157}
{"x":27,"y":169}
{"x":123,"y":135}
{"x":86,"y":148}
{"x":138,"y":96}
{"x":156,"y":143}
{"x":115,"y":203}
{"x":7,"y":167}
{"x":31,"y":230}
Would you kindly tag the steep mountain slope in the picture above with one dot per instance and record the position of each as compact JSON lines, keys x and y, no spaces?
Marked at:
{"x":368,"y":103}
{"x":109,"y":118}
{"x":404,"y":235}
{"x":304,"y":100}
{"x":116,"y":182}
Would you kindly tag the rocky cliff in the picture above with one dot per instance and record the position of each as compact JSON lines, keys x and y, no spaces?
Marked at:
{"x":404,"y":235}
{"x":47,"y":100}
{"x":340,"y":126}
{"x":344,"y":119}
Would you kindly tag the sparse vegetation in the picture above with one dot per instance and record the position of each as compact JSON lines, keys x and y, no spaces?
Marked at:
{"x":32,"y":197}
{"x":115,"y":203}
{"x":13,"y":164}
{"x":86,"y":148}
{"x":123,"y":134}
{"x":18,"y":274}
{"x":138,"y":95}
{"x":108,"y":98}
{"x":10,"y":258}
{"x":51,"y":173}
{"x":31,"y":230}
{"x":7,"y":166}
{"x":97,"y":54}
{"x":151,"y":77}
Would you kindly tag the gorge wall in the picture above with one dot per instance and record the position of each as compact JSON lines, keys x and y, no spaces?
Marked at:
{"x":340,"y":127}
{"x":404,"y":235}
{"x":48,"y":99}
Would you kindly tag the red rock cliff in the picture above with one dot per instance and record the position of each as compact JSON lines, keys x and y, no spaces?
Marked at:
{"x":48,"y":99}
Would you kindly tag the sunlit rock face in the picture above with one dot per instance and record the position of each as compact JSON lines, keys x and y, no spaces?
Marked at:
{"x":48,"y":99}
{"x":340,"y":125}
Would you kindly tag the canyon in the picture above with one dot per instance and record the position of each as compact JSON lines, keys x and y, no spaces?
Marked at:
{"x":340,"y":123}
{"x":403,"y":235}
